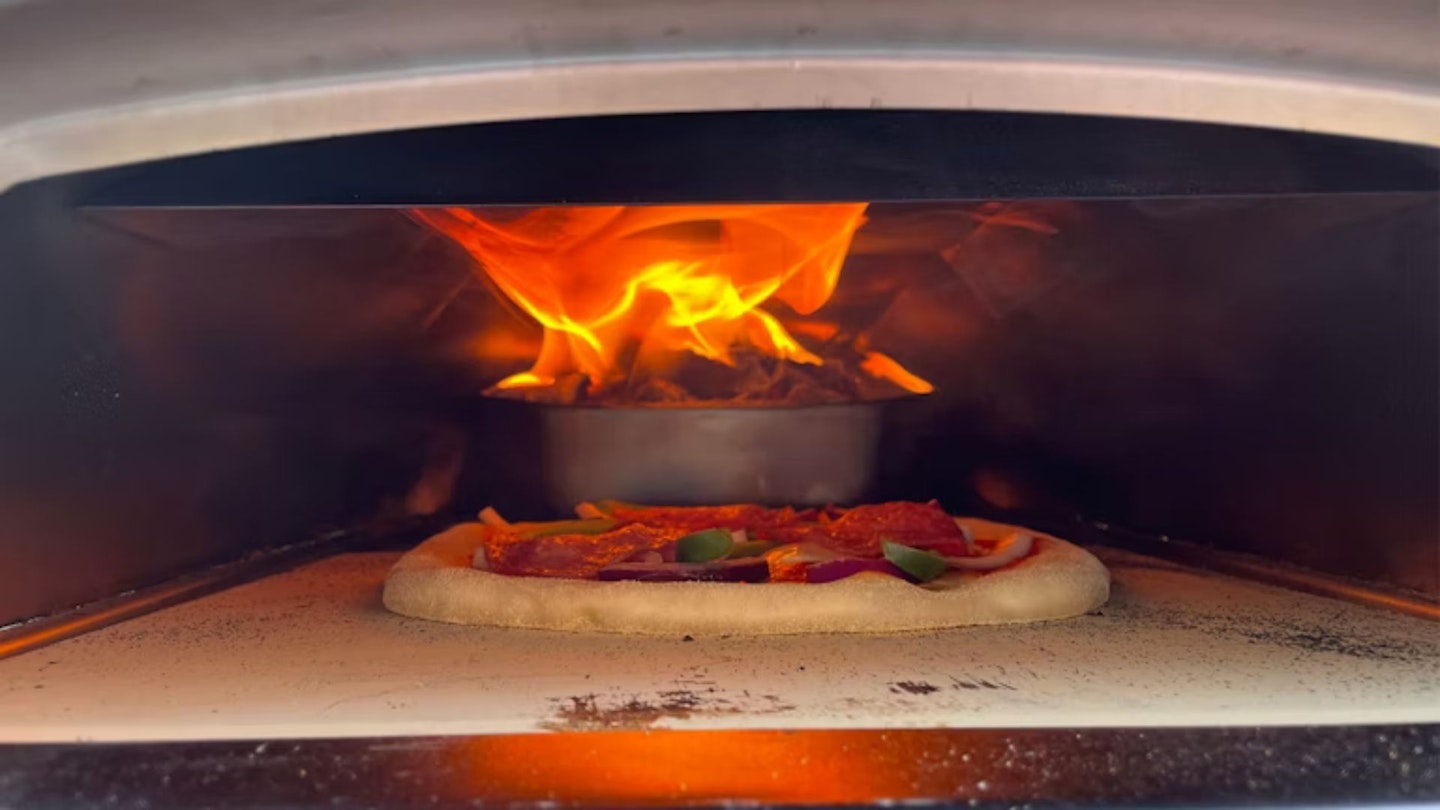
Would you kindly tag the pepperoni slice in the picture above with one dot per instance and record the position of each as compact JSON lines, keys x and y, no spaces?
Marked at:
{"x":858,"y":531}
{"x":575,"y":556}
{"x":761,"y":522}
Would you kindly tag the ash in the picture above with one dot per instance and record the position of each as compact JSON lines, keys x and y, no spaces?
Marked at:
{"x":754,"y":379}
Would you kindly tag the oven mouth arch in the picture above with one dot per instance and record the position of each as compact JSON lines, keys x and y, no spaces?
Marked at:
{"x":1020,"y":81}
{"x":760,"y":156}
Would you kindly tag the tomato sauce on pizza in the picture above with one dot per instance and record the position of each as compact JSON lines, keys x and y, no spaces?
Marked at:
{"x":624,"y":568}
{"x":741,"y":542}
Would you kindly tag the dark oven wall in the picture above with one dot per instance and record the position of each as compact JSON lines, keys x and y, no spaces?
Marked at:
{"x":1254,"y":372}
{"x":1258,"y":375}
{"x":169,"y":405}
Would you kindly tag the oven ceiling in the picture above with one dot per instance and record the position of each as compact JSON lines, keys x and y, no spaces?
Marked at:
{"x":92,"y":84}
{"x":772,"y":155}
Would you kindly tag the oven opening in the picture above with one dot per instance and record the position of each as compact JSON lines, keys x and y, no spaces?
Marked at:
{"x":246,"y":383}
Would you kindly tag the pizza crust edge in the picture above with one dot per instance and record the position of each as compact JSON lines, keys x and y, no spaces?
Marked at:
{"x":436,"y":581}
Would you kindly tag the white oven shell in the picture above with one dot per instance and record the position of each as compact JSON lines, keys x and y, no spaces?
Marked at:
{"x":95,"y":83}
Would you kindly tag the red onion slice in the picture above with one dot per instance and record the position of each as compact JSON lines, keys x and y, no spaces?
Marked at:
{"x":803,"y":554}
{"x":850,"y":566}
{"x":490,"y":517}
{"x":587,"y":510}
{"x":1013,"y":547}
{"x":665,"y":555}
{"x":968,"y":535}
{"x":749,"y":569}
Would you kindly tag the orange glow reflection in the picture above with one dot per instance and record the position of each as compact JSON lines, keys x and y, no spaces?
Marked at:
{"x":623,"y":288}
{"x":766,"y":766}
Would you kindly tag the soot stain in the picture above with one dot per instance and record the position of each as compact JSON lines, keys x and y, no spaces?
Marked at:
{"x":980,"y":683}
{"x":1319,"y":639}
{"x":913,"y":687}
{"x":1298,"y":635}
{"x":595,"y":712}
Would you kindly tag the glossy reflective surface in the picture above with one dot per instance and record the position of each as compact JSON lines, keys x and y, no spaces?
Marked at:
{"x":1167,"y":766}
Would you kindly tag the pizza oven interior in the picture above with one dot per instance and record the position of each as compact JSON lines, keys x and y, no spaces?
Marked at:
{"x":238,"y":384}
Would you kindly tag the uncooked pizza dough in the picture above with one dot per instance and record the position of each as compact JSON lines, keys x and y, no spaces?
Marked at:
{"x":436,"y":581}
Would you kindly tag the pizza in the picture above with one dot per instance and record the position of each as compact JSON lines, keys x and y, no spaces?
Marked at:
{"x":745,"y":569}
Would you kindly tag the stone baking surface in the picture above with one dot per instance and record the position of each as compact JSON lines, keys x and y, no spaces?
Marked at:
{"x":311,"y":653}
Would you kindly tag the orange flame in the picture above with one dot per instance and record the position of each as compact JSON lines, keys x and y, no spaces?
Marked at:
{"x":885,"y":367}
{"x":617,"y":288}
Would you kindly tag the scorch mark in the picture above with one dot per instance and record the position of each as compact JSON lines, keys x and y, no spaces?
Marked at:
{"x":913,"y":687}
{"x":595,"y":712}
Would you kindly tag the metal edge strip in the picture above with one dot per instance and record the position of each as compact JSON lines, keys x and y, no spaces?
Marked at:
{"x":1261,"y":570}
{"x":29,"y":635}
{"x":1291,"y":766}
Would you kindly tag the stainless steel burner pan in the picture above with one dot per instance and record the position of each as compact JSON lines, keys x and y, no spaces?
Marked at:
{"x":788,"y":455}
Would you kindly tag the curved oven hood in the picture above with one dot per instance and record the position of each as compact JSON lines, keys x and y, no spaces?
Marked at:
{"x":94,"y":84}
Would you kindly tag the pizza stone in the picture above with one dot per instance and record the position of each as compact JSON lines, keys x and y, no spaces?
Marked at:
{"x":436,"y":581}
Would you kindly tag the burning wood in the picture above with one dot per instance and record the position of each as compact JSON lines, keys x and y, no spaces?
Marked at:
{"x":754,"y":379}
{"x":673,"y":305}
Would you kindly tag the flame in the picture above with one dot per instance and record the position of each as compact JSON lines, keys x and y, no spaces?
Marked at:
{"x":621,"y":288}
{"x":885,"y":367}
